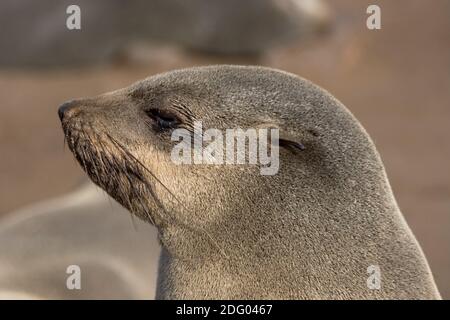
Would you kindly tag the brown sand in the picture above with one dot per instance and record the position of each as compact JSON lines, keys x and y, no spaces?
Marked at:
{"x":395,"y":80}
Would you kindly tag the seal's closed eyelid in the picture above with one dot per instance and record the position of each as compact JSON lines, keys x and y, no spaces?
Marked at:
{"x":156,"y":113}
{"x":164,"y":119}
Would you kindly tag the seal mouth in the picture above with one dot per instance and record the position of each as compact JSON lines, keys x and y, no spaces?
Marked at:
{"x":112,"y":167}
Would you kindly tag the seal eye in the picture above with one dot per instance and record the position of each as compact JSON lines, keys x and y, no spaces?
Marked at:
{"x":164,"y":119}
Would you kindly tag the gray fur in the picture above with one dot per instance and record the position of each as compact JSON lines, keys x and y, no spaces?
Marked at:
{"x":309,"y":232}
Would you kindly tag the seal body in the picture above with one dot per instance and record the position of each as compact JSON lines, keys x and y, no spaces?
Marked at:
{"x":314,"y":230}
{"x":85,"y":229}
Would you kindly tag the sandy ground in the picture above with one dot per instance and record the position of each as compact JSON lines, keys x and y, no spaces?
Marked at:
{"x":395,"y":80}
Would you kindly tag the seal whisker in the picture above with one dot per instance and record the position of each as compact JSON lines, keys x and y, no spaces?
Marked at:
{"x":132,"y":187}
{"x":142,"y":165}
{"x":135,"y":196}
{"x":101,"y":154}
{"x":150,"y":190}
{"x":94,"y":164}
{"x":84,"y":163}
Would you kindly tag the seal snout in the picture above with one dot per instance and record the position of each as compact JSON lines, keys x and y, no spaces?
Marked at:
{"x":67,"y":109}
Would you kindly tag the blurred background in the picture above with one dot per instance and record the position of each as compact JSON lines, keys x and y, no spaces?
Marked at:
{"x":395,"y":80}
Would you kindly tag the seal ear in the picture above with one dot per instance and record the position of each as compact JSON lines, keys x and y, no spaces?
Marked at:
{"x":290,"y":144}
{"x":285,"y":140}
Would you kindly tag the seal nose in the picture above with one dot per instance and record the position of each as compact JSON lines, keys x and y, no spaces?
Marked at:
{"x":66,"y":108}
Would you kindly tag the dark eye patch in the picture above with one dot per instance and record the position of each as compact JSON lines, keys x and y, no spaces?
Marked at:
{"x":163,"y":119}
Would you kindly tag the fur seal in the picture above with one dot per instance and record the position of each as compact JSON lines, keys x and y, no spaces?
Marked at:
{"x":312,"y":231}
{"x":234,"y":26}
{"x":84,"y":228}
{"x":36,"y":34}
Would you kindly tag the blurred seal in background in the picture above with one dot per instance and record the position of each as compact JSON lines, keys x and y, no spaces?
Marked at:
{"x":35,"y":33}
{"x":85,"y":229}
